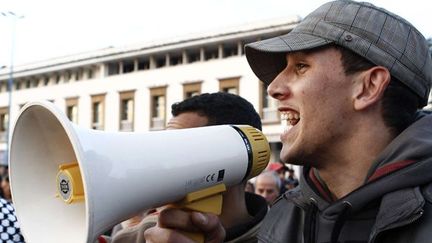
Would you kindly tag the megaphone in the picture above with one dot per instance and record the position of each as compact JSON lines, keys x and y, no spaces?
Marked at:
{"x":71,"y":184}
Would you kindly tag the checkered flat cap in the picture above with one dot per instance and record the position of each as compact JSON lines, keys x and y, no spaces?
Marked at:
{"x":381,"y":37}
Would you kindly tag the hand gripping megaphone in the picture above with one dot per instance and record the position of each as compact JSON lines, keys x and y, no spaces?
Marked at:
{"x":70,"y":184}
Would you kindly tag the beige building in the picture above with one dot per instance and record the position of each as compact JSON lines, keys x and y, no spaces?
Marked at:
{"x":131,"y":88}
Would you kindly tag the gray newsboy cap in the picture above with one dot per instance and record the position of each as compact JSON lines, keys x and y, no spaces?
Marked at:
{"x":382,"y":37}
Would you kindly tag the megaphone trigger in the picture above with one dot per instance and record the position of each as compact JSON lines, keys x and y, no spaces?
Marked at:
{"x":208,"y":200}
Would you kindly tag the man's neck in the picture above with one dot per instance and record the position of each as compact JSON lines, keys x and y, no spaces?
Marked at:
{"x":346,"y":169}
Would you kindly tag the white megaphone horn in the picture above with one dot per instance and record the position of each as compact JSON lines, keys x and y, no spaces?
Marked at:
{"x":71,"y":184}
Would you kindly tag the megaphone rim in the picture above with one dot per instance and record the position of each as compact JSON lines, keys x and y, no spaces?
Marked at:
{"x":67,"y":126}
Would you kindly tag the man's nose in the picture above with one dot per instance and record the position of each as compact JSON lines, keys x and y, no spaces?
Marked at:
{"x":278,"y":88}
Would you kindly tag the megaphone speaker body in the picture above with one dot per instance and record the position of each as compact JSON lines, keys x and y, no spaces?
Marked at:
{"x":122,"y":173}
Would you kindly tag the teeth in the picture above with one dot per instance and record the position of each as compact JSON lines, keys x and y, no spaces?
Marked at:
{"x":290,"y":118}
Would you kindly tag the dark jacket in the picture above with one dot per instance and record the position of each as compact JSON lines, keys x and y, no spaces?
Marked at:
{"x":393,"y":205}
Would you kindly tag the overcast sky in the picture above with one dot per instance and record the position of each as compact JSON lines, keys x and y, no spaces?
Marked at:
{"x":52,"y":28}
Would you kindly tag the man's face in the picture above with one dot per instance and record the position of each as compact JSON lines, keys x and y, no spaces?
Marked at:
{"x":187,"y":120}
{"x":315,"y":99}
{"x":267,"y":188}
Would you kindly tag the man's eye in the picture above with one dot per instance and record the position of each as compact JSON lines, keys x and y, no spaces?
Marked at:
{"x":301,"y":66}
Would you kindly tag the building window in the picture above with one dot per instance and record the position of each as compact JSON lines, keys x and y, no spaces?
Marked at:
{"x":268,"y":106}
{"x":113,"y":68}
{"x":160,"y":61}
{"x":128,"y":66}
{"x":98,"y":112}
{"x":66,"y":77}
{"x":229,"y":85}
{"x":230,"y":49}
{"x":18,"y":85}
{"x":191,"y":89}
{"x":78,"y":75}
{"x":193,"y":55}
{"x":4,"y":119}
{"x":211,"y":52}
{"x":157,"y":108}
{"x":35,"y":83}
{"x":46,"y":81}
{"x":175,"y":59}
{"x":72,"y":109}
{"x":126,"y":111}
{"x":89,"y":74}
{"x":57,"y":78}
{"x":27,"y":84}
{"x":143,"y":64}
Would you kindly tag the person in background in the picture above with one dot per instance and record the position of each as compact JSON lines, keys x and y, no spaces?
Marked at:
{"x":10,"y":230}
{"x":5,"y":186}
{"x":268,"y":185}
{"x":9,"y":227}
{"x":291,"y":180}
{"x":4,"y":171}
{"x":351,"y":80}
{"x":280,"y":169}
{"x":241,"y":209}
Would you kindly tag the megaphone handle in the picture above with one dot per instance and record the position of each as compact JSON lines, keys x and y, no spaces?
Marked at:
{"x":197,"y":237}
{"x":208,"y":200}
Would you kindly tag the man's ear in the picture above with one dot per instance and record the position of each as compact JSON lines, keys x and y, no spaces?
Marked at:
{"x":369,"y":87}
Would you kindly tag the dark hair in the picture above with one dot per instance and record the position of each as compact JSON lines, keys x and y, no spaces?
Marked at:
{"x":399,"y":102}
{"x":220,"y":109}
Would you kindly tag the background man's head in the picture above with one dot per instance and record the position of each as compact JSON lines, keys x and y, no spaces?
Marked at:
{"x":213,"y":109}
{"x":267,"y":185}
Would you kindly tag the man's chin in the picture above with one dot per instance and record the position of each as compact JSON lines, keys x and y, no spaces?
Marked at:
{"x":288,"y":157}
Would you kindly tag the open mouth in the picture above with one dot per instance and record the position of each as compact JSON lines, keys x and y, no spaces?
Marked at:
{"x":291,"y":117}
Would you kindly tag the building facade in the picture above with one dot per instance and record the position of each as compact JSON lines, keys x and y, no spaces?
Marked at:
{"x":131,"y":88}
